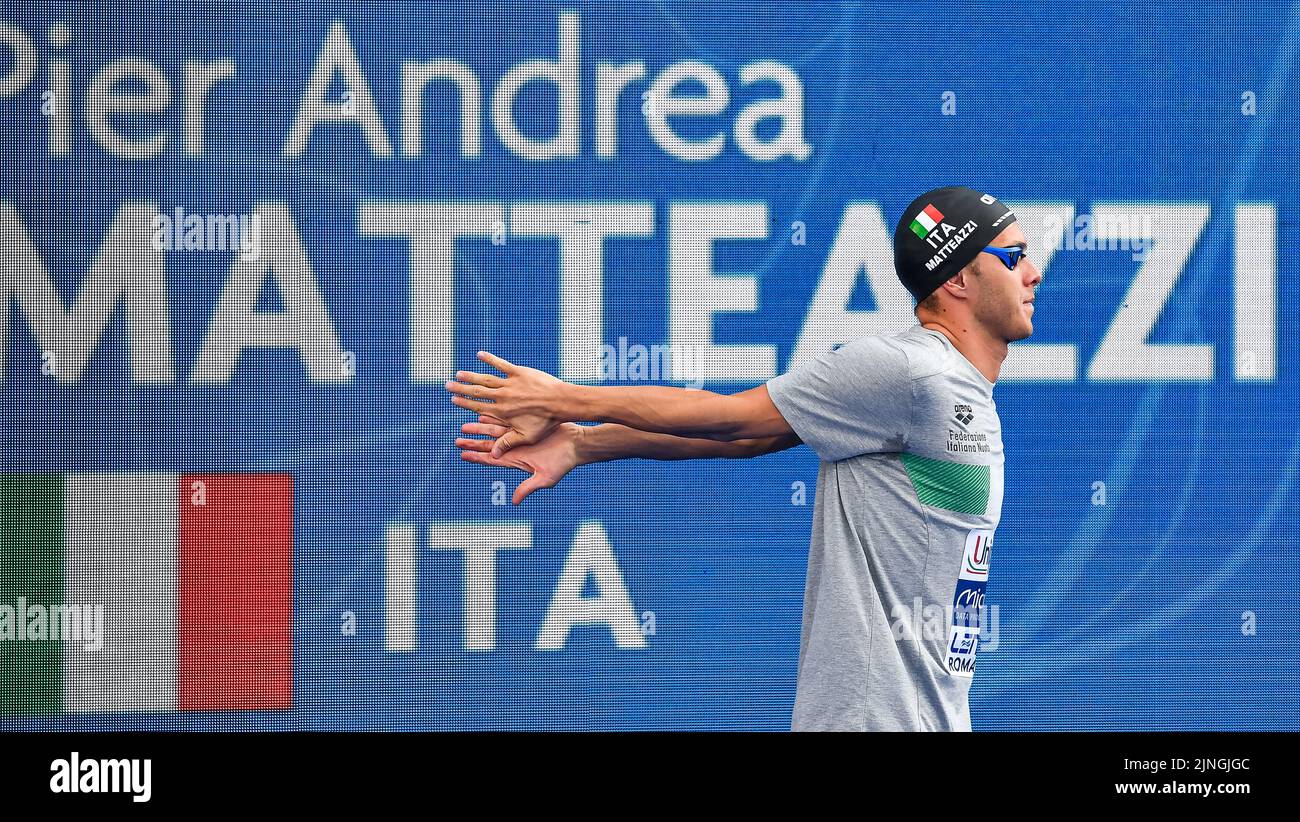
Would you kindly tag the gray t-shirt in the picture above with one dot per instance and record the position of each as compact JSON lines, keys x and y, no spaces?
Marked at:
{"x":909,"y":493}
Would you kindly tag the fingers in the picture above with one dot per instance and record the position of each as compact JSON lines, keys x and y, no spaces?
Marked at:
{"x":483,"y":446}
{"x":485,"y":380}
{"x":488,"y":419}
{"x":481,"y":429}
{"x":481,"y":459}
{"x":470,"y":390}
{"x":499,"y":363}
{"x":471,"y":405}
{"x":527,"y":487}
{"x":507,"y":441}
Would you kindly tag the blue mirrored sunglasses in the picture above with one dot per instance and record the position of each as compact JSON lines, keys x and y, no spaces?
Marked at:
{"x":1010,"y":257}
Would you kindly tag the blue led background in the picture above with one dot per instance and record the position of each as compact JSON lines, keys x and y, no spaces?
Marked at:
{"x":1126,"y":615}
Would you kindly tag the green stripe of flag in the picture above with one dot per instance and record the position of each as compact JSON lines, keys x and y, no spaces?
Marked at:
{"x":31,"y":567}
{"x":954,"y":486}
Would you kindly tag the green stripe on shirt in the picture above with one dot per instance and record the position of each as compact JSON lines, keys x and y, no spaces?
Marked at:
{"x":954,"y":486}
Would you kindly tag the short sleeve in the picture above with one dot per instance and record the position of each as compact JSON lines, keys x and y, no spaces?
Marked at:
{"x":856,"y":399}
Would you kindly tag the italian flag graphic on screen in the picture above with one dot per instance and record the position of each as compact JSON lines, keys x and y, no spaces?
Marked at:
{"x":192,"y":574}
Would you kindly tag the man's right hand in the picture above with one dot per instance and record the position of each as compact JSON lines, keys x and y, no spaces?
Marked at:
{"x":548,"y":461}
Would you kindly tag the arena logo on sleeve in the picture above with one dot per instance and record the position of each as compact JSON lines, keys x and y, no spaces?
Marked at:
{"x":968,"y":602}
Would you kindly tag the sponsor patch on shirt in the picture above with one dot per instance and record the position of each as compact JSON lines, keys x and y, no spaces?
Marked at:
{"x":968,"y":601}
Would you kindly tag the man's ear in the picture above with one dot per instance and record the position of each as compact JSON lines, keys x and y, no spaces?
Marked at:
{"x":961,"y":280}
{"x":956,"y":284}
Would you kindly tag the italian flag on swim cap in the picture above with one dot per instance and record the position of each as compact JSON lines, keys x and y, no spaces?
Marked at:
{"x":926,"y":221}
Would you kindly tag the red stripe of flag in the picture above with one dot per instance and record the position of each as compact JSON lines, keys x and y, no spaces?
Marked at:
{"x":934,"y":213}
{"x":235,"y":574}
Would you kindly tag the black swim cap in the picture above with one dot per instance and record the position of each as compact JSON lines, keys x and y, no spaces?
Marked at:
{"x":941,"y":232}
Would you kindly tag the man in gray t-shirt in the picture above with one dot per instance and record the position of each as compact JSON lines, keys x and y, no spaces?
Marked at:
{"x":909,"y":490}
{"x":908,"y":497}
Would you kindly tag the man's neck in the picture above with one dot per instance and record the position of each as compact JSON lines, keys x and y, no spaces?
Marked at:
{"x":984,"y":352}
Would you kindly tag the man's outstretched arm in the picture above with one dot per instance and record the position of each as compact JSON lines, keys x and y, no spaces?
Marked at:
{"x":611,"y":441}
{"x":569,"y":446}
{"x":532,"y":403}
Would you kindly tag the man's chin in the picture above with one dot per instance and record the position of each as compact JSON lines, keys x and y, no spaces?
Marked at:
{"x":1022,"y":332}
